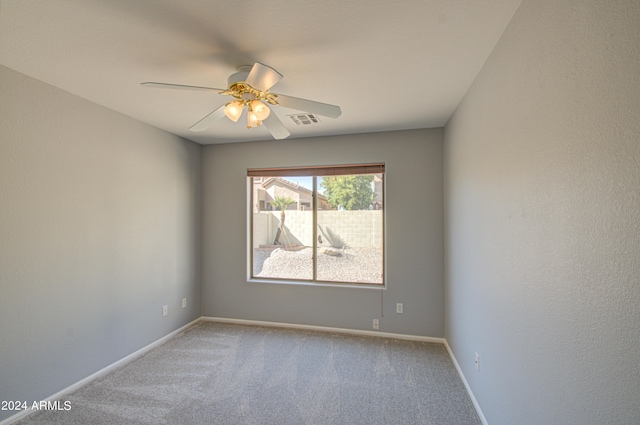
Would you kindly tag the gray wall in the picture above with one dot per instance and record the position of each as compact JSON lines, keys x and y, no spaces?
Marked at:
{"x":100,"y":224}
{"x":414,"y":235}
{"x":542,"y":171}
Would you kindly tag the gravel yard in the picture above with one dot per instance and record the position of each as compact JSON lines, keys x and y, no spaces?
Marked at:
{"x":336,"y":265}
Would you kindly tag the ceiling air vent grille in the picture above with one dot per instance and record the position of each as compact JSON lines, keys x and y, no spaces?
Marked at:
{"x":304,"y":119}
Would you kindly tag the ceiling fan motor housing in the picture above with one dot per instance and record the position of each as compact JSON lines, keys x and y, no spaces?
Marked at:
{"x":240,"y":76}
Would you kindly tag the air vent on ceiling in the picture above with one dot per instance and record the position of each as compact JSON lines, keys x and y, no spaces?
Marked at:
{"x":304,"y":119}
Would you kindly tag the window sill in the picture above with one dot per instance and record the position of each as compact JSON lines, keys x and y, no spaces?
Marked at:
{"x":319,"y":284}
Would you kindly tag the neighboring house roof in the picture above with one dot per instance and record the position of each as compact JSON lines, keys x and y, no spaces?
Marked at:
{"x":294,"y":186}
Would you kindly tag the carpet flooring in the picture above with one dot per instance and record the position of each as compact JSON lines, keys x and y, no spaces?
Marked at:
{"x":216,"y":373}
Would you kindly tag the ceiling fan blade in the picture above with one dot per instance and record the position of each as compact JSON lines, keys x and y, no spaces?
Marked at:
{"x":207,"y":121}
{"x":304,"y":105}
{"x":262,"y":77}
{"x":275,"y":127}
{"x":176,"y":86}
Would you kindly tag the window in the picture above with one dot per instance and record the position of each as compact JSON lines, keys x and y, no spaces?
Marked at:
{"x":318,"y":224}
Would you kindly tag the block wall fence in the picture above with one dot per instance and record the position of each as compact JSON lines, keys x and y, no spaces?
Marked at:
{"x":335,"y":228}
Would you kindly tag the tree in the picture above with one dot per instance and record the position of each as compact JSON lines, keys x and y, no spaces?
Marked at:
{"x":281,"y":203}
{"x":353,"y":192}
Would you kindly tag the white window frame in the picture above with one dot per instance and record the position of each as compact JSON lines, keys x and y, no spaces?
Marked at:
{"x":313,"y":171}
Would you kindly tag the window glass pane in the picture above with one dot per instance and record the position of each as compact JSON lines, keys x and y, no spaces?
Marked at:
{"x":350,"y":228}
{"x":282,"y":226}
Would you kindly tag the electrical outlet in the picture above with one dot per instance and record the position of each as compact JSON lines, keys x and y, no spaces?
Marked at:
{"x":165,"y":310}
{"x":478,"y":362}
{"x":184,"y":302}
{"x":376,"y":324}
{"x":399,"y":308}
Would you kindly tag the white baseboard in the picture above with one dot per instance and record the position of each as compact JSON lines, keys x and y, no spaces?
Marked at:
{"x":73,"y":387}
{"x":466,"y":385}
{"x":323,"y":329}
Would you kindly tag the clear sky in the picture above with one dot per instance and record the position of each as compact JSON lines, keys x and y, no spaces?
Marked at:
{"x":306,"y":182}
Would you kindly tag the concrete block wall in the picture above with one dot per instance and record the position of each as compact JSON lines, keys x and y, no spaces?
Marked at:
{"x":336,"y":228}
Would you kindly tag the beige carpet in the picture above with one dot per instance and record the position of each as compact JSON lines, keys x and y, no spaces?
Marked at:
{"x":232,"y":374}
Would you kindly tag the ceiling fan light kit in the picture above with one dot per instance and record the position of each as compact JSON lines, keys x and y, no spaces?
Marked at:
{"x":250,"y":86}
{"x":256,"y":111}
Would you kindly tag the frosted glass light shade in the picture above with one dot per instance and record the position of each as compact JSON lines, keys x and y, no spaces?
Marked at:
{"x":253,"y":120}
{"x":261,"y":110}
{"x":234,"y":110}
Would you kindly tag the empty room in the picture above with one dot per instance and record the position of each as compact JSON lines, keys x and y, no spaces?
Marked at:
{"x":358,"y":212}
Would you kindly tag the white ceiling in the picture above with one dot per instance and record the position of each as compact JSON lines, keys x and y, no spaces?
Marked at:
{"x":389,"y":64}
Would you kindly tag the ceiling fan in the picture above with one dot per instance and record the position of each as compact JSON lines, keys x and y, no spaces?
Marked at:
{"x":250,"y":87}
